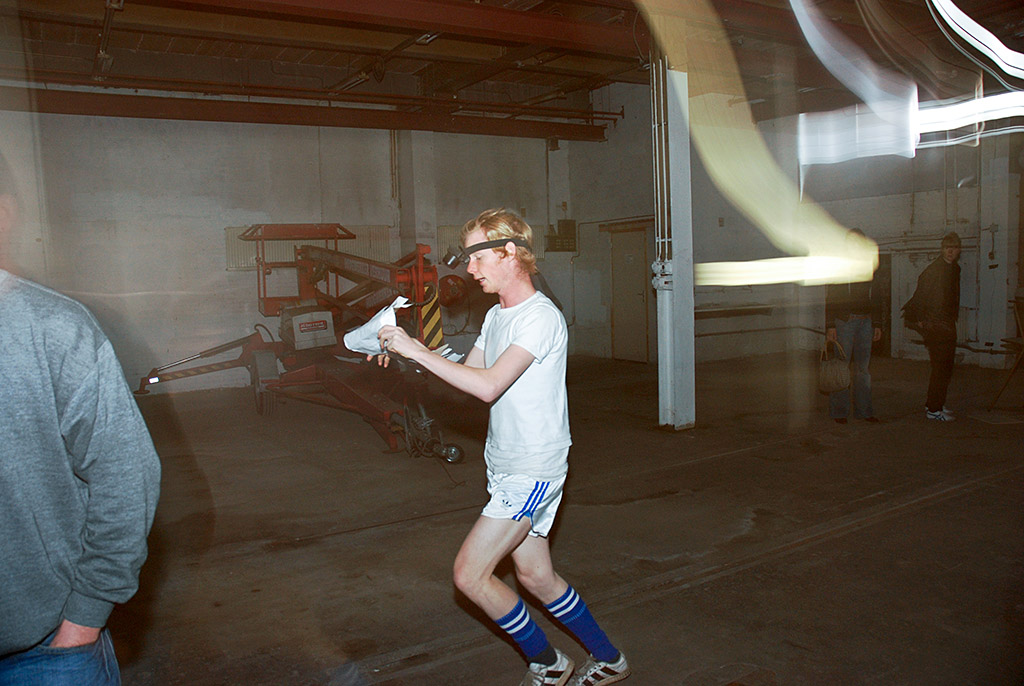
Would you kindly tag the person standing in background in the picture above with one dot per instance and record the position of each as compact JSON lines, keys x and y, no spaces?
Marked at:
{"x":851,"y":310}
{"x":933,"y":310}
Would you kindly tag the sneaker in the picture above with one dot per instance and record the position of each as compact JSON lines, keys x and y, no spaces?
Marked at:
{"x":940,"y":416}
{"x":596,"y":672}
{"x":557,"y":674}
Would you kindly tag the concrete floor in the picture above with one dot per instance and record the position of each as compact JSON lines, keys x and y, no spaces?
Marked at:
{"x":768,"y":546}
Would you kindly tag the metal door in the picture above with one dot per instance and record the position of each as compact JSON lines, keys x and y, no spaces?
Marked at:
{"x":631,"y":280}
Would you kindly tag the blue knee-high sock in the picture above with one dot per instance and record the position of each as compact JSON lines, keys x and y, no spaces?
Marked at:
{"x":572,"y":612}
{"x":524,"y":631}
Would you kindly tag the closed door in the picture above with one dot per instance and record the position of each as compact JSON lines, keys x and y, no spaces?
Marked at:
{"x":631,"y":279}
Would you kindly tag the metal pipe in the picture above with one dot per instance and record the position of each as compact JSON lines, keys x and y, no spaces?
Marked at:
{"x":446,"y":104}
{"x":761,"y":330}
{"x":53,"y":101}
{"x":102,"y":61}
{"x":460,"y":18}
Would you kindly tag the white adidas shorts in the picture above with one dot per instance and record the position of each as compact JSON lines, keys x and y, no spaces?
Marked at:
{"x":515,"y":496}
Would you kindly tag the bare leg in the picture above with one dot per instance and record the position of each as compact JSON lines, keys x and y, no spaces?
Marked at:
{"x":489,"y":541}
{"x":535,"y":572}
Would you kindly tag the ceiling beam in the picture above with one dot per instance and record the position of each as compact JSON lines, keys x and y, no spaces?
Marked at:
{"x":444,"y":16}
{"x":97,"y":104}
{"x":755,"y":19}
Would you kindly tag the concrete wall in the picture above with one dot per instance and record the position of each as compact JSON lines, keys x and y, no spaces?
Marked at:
{"x":609,"y":181}
{"x":614,"y":181}
{"x":907,"y":205}
{"x":131,"y":217}
{"x":133,"y":213}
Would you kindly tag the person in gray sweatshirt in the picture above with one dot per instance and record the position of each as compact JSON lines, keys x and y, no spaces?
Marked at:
{"x":79,"y":482}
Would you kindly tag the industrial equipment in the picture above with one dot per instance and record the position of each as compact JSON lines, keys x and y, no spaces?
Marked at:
{"x":335,"y":291}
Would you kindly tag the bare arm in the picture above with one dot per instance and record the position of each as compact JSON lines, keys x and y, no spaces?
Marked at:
{"x":485,"y":383}
{"x":475,"y":358}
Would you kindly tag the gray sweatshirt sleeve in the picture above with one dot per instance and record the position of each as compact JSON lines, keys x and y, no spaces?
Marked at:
{"x":112,"y":454}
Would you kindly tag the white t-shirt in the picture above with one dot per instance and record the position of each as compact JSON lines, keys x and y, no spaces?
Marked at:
{"x":528,"y":430}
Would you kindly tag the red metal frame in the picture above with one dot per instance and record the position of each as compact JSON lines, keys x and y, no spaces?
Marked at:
{"x":316,"y":375}
{"x":375,"y":283}
{"x":330,"y":234}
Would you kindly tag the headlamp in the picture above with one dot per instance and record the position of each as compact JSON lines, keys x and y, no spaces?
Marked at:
{"x":452,"y":258}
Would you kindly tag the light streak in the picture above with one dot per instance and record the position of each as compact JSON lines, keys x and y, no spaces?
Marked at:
{"x":886,"y":93}
{"x":982,"y":39}
{"x":808,"y":271}
{"x":891,"y":120}
{"x":958,"y":115}
{"x":741,"y":165}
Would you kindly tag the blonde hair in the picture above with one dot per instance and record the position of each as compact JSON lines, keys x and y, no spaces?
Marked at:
{"x":501,"y":223}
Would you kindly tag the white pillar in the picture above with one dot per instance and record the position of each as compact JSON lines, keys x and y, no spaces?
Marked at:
{"x":997,"y":220}
{"x":673,"y":267}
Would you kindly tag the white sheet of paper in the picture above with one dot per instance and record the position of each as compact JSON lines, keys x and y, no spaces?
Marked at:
{"x":364,"y":338}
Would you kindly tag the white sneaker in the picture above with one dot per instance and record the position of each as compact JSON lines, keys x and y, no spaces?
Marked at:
{"x":950,"y":414}
{"x":596,"y":672}
{"x":940,"y":416}
{"x":557,"y":674}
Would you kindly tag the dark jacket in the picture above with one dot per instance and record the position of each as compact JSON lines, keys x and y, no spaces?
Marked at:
{"x":845,"y":299}
{"x":937,"y":296}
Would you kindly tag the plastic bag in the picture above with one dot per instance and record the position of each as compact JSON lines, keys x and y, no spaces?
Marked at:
{"x":834,"y":371}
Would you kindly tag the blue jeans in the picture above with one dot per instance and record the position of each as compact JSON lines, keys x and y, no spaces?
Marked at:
{"x":855,"y":336}
{"x":88,"y":665}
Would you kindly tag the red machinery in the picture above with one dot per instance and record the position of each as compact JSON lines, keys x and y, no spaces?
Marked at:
{"x":335,"y":292}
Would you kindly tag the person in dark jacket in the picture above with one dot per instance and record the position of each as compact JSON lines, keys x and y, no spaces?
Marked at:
{"x":933,"y":311}
{"x":851,"y":310}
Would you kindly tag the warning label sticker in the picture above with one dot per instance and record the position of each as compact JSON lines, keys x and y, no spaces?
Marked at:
{"x":309,"y":327}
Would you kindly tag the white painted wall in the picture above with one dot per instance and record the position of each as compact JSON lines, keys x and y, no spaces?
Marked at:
{"x":133,"y":216}
{"x":133,"y":213}
{"x":609,"y":181}
{"x":907,"y":205}
{"x":613,"y":180}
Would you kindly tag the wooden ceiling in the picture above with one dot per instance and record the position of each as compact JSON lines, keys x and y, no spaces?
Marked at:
{"x":498,"y":67}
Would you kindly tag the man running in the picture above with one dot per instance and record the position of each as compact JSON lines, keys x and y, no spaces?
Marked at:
{"x":518,"y":366}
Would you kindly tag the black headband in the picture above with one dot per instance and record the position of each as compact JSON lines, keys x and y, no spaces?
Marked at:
{"x":494,"y":244}
{"x":463,"y":255}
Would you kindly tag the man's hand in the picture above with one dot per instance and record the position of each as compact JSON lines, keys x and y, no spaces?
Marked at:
{"x":830,"y":334}
{"x":394,"y":339}
{"x":70,"y":635}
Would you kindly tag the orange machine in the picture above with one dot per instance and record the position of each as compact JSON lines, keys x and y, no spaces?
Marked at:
{"x":335,"y":291}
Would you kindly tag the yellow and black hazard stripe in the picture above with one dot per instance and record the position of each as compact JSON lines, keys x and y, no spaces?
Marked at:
{"x":430,"y":319}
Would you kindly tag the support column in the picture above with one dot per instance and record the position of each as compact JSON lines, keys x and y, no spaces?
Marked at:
{"x":998,"y":213}
{"x":417,"y":195}
{"x":673,"y":266}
